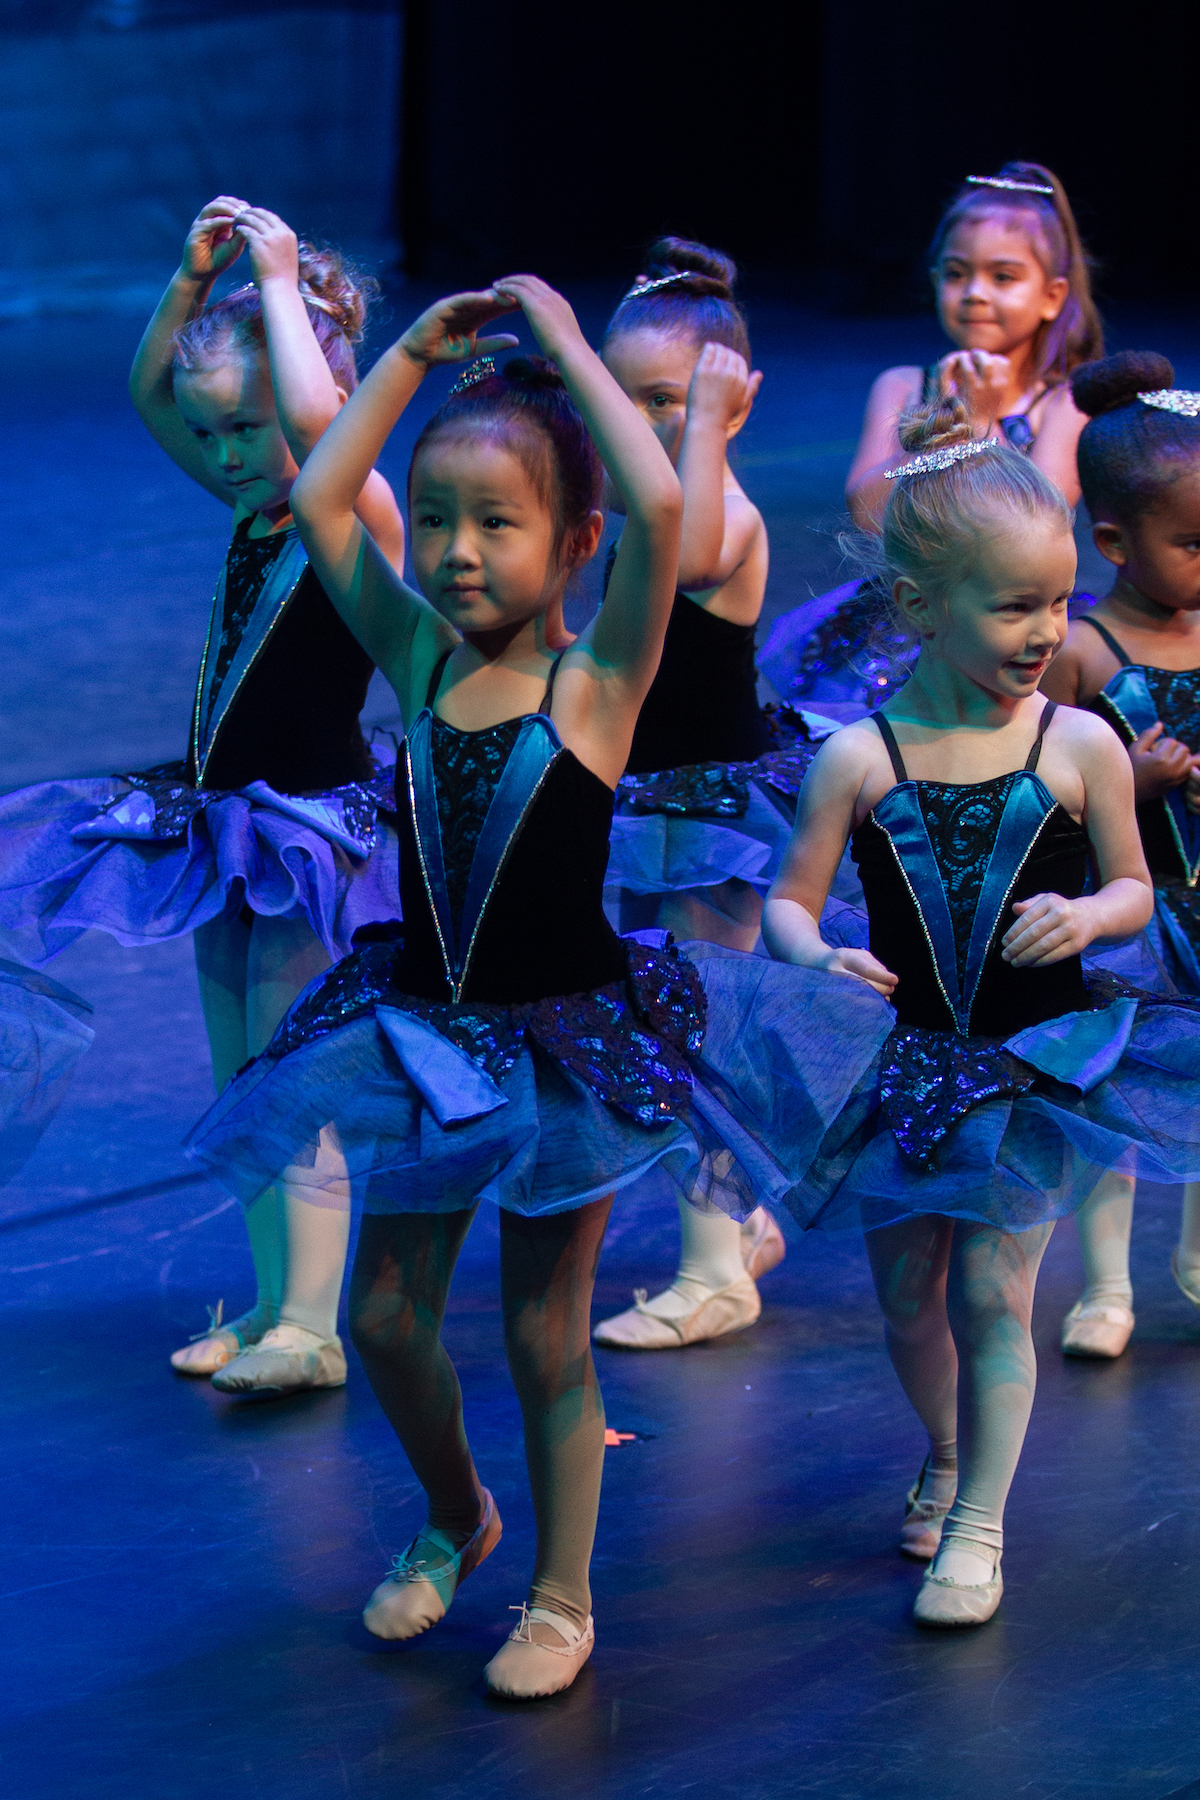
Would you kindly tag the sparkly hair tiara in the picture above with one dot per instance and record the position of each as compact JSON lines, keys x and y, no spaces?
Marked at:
{"x":482,"y":369}
{"x":651,"y":287}
{"x":1014,"y":187}
{"x":941,"y":459}
{"x":306,"y":294}
{"x":1176,"y":400}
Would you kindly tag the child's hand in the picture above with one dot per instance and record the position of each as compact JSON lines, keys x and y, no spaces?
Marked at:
{"x":1159,"y":763}
{"x":445,"y":332}
{"x":980,"y":379}
{"x":1192,"y":796}
{"x":1048,"y":929}
{"x":553,"y":323}
{"x":211,"y":246}
{"x":274,"y":251}
{"x":721,"y":387}
{"x":863,"y":966}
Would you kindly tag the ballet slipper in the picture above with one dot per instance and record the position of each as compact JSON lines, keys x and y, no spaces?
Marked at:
{"x":286,"y":1360}
{"x":417,"y":1594}
{"x":1098,"y":1329}
{"x":730,"y":1309}
{"x":921,"y":1532}
{"x":530,"y":1668}
{"x":945,"y":1603}
{"x":210,"y":1350}
{"x":1189,"y":1284}
{"x":763,"y":1245}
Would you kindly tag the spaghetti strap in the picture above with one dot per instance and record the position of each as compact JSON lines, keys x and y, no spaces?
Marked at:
{"x":548,"y":696}
{"x":1048,"y":712}
{"x":435,"y":680}
{"x":1110,"y":640}
{"x":892,"y":747}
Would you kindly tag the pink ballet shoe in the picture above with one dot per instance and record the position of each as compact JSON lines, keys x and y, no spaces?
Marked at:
{"x":210,"y":1350}
{"x":950,"y":1604}
{"x":532,"y":1668}
{"x":730,"y":1309}
{"x":1101,"y":1329}
{"x":416,"y":1595}
{"x":285,"y":1360}
{"x":921,"y":1532}
{"x":763,"y":1244}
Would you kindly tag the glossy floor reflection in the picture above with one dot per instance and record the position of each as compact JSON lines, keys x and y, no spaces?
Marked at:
{"x":182,"y":1574}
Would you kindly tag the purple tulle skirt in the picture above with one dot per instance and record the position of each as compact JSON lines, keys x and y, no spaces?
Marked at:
{"x":43,"y":1033}
{"x":804,"y":1093}
{"x":111,"y":855}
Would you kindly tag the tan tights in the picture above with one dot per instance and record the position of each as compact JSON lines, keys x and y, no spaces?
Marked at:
{"x":398,"y":1292}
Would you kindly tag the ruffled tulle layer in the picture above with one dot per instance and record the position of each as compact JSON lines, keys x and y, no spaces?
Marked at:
{"x":804,"y":1094}
{"x":658,"y":853}
{"x":78,"y":856}
{"x":43,"y":1033}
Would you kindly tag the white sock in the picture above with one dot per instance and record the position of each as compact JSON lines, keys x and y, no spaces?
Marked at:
{"x":710,"y":1259}
{"x":1104,"y":1223}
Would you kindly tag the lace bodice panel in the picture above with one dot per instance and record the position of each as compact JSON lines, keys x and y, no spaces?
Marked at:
{"x":962,"y":823}
{"x":467,"y":769}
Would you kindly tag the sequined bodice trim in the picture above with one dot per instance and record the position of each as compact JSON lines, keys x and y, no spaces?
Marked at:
{"x":246,"y":568}
{"x":467,"y":766}
{"x":1176,"y":697}
{"x":962,"y":823}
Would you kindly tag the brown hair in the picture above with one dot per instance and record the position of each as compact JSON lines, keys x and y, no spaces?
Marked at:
{"x":1077,"y":335}
{"x":699,"y":307}
{"x":335,"y":295}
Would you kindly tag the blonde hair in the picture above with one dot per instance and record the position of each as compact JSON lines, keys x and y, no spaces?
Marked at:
{"x":935,"y":522}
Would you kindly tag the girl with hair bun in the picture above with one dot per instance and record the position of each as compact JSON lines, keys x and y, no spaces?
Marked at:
{"x":507,"y":1045}
{"x":1134,"y":658}
{"x":1000,"y":1081}
{"x":704,"y":810}
{"x":267,"y":841}
{"x":1010,"y":276}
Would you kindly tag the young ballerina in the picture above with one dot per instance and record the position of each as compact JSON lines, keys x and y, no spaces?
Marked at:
{"x":1010,"y":277}
{"x":1009,"y":1085}
{"x":695,"y":852}
{"x":266,"y":842}
{"x":448,"y":1069}
{"x":1135,"y":659}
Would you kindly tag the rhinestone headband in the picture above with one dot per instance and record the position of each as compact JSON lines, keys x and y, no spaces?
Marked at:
{"x":482,"y":369}
{"x":1176,"y":400}
{"x":1014,"y":187}
{"x":941,"y":459}
{"x":651,"y":287}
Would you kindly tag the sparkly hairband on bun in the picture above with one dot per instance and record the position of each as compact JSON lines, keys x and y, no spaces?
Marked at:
{"x":482,"y":369}
{"x":1174,"y":400}
{"x":941,"y":459}
{"x":1004,"y":181}
{"x":651,"y":287}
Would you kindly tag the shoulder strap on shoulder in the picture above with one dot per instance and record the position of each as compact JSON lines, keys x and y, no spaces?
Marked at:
{"x":435,"y":680}
{"x":891,"y":746}
{"x":1109,"y":639}
{"x":548,"y":696}
{"x":1048,"y":712}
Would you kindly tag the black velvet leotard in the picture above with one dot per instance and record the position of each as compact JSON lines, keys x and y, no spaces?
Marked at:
{"x":292,"y":720}
{"x":703,"y":702}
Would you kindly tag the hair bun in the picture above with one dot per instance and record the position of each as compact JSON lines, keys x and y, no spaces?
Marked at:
{"x":1100,"y":387}
{"x":935,"y":426}
{"x":715,"y":273}
{"x":336,"y":288}
{"x":533,"y":372}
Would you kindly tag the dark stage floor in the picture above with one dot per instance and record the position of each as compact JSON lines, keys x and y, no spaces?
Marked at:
{"x":182,"y":1575}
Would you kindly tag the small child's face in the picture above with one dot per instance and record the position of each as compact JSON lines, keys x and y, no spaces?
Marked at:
{"x":1159,"y":553}
{"x":1001,"y":625}
{"x":992,"y":292}
{"x":655,"y":371}
{"x":230,"y":410}
{"x":482,"y":535}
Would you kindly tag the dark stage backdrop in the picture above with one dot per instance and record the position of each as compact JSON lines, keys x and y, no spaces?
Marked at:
{"x":813,"y":139}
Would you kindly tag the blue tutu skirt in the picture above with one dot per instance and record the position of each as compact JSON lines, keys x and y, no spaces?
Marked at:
{"x":147,"y":857}
{"x":752,"y":1082}
{"x":705,"y":823}
{"x":43,"y":1033}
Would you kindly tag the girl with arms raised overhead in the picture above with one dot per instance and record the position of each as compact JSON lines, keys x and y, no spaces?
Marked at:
{"x":1009,"y":1084}
{"x":1010,"y":277}
{"x":1135,"y":660}
{"x":265,"y":841}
